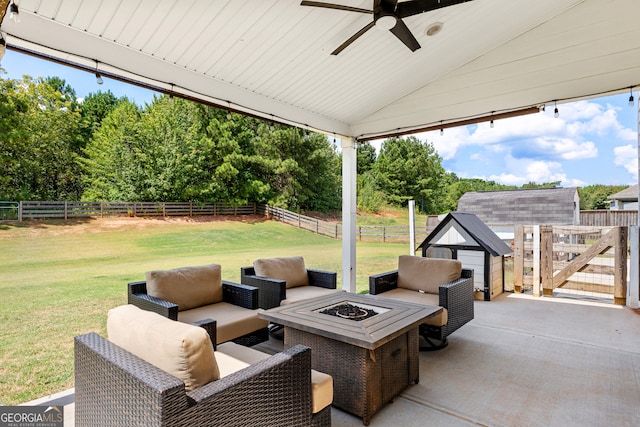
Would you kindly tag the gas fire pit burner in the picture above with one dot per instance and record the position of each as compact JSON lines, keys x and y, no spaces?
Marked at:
{"x":349,"y":311}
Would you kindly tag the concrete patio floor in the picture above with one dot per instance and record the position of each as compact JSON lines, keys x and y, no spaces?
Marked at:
{"x":523,"y":361}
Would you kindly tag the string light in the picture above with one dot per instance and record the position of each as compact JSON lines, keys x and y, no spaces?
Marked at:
{"x":631,"y":100}
{"x":491,"y":124}
{"x":556,"y":113}
{"x":441,"y":132}
{"x":98,"y":76}
{"x":14,"y":13}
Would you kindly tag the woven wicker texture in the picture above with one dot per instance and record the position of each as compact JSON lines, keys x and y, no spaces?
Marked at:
{"x":115,"y":388}
{"x":363,"y":380}
{"x":457,"y":297}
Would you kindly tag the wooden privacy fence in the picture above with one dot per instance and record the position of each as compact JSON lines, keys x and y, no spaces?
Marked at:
{"x":579,"y":258}
{"x":607,"y":218}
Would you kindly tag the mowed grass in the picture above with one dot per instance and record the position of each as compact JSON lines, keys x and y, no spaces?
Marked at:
{"x":60,"y":278}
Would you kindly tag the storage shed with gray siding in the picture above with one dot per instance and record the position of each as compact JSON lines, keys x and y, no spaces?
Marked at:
{"x":549,"y":206}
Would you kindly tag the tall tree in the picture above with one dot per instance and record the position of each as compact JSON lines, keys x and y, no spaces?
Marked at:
{"x":459,"y":186}
{"x":596,"y":196}
{"x":93,"y":109}
{"x":366,"y":156}
{"x":410,"y":169}
{"x":303,"y":169}
{"x":41,"y":147}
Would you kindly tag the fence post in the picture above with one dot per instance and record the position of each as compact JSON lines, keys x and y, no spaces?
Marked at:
{"x":546,"y":259}
{"x":536,"y":260}
{"x":20,"y":211}
{"x":384,"y":234}
{"x":317,"y":227}
{"x":65,"y":210}
{"x":620,"y":271}
{"x":518,"y":258}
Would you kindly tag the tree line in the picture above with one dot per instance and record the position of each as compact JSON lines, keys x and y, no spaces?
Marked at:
{"x":54,"y":146}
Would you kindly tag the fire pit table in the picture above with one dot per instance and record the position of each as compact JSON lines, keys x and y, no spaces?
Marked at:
{"x":368,"y":344}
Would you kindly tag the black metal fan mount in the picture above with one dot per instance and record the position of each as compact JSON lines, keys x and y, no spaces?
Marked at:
{"x":387,"y":15}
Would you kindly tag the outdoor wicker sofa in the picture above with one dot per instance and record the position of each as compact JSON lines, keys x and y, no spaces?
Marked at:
{"x":188,"y":383}
{"x":431,"y":281}
{"x":198,"y":295}
{"x":286,"y":280}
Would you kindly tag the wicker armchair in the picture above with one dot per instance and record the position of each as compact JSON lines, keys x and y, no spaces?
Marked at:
{"x":278,"y":288}
{"x":234,"y":318}
{"x":116,"y":388}
{"x":456,"y":296}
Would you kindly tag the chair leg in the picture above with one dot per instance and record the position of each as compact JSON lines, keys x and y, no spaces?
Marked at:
{"x":433,"y":344}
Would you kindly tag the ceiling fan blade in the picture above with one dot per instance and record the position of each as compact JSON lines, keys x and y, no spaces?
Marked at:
{"x":353,"y":38}
{"x":335,"y":6}
{"x":415,"y":7}
{"x":402,"y":32}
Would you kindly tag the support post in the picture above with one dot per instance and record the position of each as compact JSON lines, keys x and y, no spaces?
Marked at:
{"x":620,"y":271}
{"x":518,"y":258}
{"x":349,"y":174}
{"x":536,"y":260}
{"x":412,"y":227}
{"x":546,"y":259}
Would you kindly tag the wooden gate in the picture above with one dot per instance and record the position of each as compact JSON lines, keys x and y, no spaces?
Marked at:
{"x":571,"y":257}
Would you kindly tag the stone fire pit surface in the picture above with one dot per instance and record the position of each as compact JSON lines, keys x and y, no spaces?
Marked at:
{"x":394,"y":318}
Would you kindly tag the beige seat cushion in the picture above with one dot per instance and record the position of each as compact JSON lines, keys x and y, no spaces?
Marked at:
{"x":291,"y":269}
{"x":184,"y":351}
{"x":189,"y":287}
{"x":233,"y":357}
{"x":426,"y":274}
{"x":438,"y":319}
{"x":232,"y":321}
{"x":302,"y":293}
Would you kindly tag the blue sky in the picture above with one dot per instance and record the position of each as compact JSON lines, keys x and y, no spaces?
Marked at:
{"x":592,"y":142}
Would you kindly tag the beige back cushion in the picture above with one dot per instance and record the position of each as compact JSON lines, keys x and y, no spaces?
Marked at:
{"x":189,"y":287}
{"x":184,"y":351}
{"x":290,"y":269}
{"x":426,"y":274}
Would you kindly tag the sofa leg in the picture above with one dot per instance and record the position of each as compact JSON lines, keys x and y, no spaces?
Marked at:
{"x":433,"y":344}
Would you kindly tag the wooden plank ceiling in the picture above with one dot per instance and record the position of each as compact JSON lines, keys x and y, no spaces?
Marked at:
{"x":272,"y":58}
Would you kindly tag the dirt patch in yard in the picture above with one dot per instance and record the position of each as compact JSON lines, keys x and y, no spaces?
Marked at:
{"x":99,"y":225}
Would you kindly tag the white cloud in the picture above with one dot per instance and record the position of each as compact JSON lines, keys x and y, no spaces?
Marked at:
{"x":522,"y":171}
{"x":627,"y":157}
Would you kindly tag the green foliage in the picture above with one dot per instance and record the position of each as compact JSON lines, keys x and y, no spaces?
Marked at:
{"x":410,"y":169}
{"x":366,"y":157}
{"x":554,"y":184}
{"x":459,"y":186}
{"x":39,"y":139}
{"x":302,"y":170}
{"x":370,"y":197}
{"x":596,"y":196}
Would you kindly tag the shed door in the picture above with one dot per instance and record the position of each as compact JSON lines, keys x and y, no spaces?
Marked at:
{"x":475,"y":261}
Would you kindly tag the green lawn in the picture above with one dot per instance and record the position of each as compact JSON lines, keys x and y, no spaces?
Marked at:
{"x":60,"y":278}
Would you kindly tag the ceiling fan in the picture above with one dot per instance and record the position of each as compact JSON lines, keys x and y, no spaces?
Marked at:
{"x":387,"y":15}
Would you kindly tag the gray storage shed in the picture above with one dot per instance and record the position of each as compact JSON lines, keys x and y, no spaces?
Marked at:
{"x":463,"y":236}
{"x":502,"y":210}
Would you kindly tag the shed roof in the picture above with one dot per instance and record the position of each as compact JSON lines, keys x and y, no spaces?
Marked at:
{"x":477,"y":229}
{"x":628,"y":194}
{"x":540,"y":205}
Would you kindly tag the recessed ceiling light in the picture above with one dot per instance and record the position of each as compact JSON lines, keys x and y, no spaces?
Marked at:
{"x":434,"y":28}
